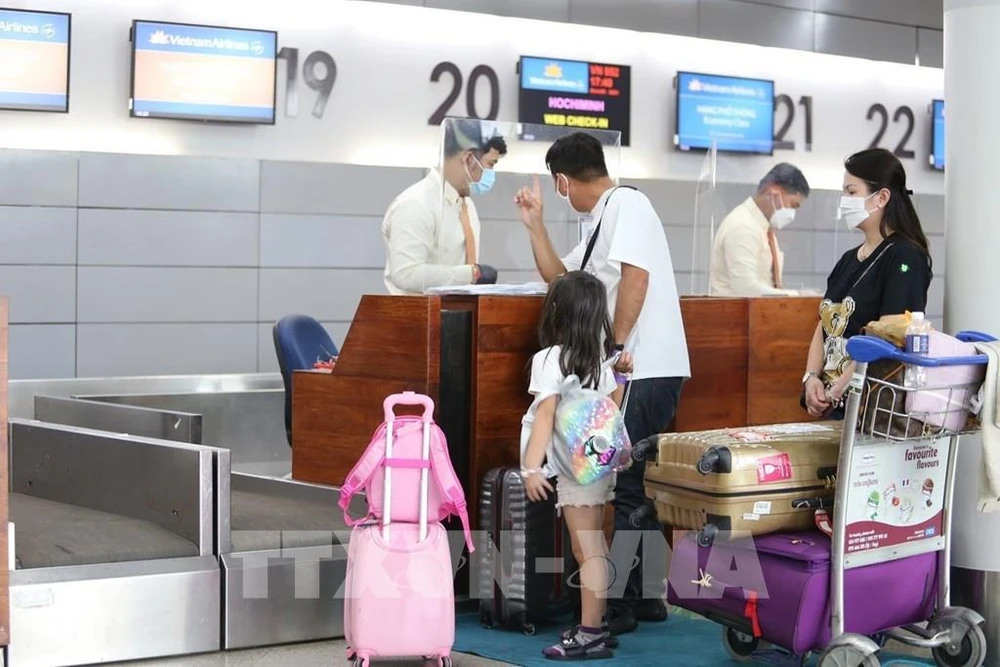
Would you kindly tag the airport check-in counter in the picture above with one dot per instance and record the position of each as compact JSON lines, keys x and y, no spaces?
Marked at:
{"x":115,"y":540}
{"x":282,"y":544}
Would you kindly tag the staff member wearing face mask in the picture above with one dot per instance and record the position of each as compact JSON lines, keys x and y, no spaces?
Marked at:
{"x":888,"y":274}
{"x":746,"y":260}
{"x":431,"y":230}
{"x":628,"y":252}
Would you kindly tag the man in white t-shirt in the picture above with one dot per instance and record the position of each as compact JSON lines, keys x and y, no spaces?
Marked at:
{"x":628,"y":251}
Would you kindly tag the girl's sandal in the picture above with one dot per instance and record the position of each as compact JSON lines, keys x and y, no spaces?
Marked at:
{"x":572,"y":650}
{"x":609,"y":640}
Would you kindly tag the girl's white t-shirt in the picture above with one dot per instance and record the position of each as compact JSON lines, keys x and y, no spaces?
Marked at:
{"x":546,"y":380}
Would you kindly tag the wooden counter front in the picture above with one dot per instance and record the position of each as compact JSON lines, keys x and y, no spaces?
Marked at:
{"x":747,"y":358}
{"x":779,"y":333}
{"x":504,"y":338}
{"x":716,"y":394}
{"x":393,"y":345}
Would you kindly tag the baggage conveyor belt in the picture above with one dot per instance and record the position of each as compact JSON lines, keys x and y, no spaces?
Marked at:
{"x":262,"y":520}
{"x":54,"y":534}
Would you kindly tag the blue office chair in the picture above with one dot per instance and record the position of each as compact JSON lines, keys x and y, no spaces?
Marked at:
{"x":299,"y":341}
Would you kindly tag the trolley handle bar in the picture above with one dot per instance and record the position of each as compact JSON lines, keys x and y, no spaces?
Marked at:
{"x":975,"y":337}
{"x":868,"y":349}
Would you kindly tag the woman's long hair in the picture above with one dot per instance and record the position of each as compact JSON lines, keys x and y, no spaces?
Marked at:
{"x":880,"y":169}
{"x":575,"y":317}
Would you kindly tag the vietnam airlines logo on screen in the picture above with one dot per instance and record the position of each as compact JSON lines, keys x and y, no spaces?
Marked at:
{"x":163,"y":38}
{"x":730,"y":90}
{"x":159,"y":38}
{"x":562,"y":76}
{"x":28,"y":29}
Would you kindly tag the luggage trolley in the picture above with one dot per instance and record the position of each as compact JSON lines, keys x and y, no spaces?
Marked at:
{"x":886,"y":437}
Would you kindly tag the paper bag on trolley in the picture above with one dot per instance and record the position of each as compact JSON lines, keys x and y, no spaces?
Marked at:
{"x":891,"y":328}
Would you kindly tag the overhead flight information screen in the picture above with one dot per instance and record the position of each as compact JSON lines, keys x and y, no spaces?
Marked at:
{"x":34,"y":52}
{"x":573,"y":95}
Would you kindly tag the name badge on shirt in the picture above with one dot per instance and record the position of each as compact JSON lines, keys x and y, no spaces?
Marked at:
{"x":586,"y":224}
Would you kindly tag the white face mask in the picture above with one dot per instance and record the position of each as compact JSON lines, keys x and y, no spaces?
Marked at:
{"x":853,"y":210}
{"x":782,"y":217}
{"x":565,"y":197}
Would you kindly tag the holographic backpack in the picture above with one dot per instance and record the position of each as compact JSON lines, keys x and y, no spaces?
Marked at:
{"x":589,"y":440}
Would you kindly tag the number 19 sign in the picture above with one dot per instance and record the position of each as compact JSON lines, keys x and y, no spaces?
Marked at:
{"x":319,"y":71}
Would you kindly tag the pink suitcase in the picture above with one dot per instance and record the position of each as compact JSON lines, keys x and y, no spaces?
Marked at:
{"x":399,"y":598}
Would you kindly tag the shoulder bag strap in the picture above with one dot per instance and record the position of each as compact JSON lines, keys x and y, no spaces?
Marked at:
{"x":597,"y":228}
{"x":447,"y":480}
{"x":869,"y":267}
{"x":362,"y":471}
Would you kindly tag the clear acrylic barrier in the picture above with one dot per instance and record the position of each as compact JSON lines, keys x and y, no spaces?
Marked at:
{"x":726,"y":178}
{"x":708,"y":213}
{"x":468,"y":149}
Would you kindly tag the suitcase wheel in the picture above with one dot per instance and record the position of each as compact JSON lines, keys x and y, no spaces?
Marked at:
{"x":528,"y":628}
{"x":361,"y":662}
{"x":486,"y":619}
{"x":706,"y":536}
{"x":444,"y":661}
{"x":739,"y":646}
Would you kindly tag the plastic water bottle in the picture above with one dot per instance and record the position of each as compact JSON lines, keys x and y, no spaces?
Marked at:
{"x":917,"y":342}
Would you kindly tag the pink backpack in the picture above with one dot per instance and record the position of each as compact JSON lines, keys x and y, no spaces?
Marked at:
{"x":411,"y":453}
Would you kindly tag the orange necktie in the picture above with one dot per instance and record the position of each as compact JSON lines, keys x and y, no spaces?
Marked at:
{"x":772,"y":241}
{"x":470,"y":239}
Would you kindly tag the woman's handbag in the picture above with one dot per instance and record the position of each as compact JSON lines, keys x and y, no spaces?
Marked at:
{"x":883,"y":403}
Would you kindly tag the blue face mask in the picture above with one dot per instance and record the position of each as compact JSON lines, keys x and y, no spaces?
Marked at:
{"x":484,"y":184}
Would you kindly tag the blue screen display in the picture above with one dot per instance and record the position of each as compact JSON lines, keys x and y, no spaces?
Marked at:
{"x":203,"y":72}
{"x":555,"y":76}
{"x":937,"y":136}
{"x":34,"y":52}
{"x":736,"y":114}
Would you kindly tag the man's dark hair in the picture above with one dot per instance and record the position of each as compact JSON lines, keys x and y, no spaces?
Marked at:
{"x":579,"y":156}
{"x":465,"y":134}
{"x":497,"y":143}
{"x":786,"y":176}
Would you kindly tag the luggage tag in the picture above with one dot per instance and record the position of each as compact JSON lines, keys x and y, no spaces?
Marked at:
{"x":750,"y":437}
{"x":822,"y":520}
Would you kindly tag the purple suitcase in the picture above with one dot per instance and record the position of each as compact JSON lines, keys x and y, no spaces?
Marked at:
{"x":785,"y":599}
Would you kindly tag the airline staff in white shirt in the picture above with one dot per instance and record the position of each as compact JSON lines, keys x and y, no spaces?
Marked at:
{"x":746,"y":259}
{"x":431,"y":230}
{"x":631,"y":257}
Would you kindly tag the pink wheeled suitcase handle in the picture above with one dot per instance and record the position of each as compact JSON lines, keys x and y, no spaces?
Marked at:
{"x":390,"y":404}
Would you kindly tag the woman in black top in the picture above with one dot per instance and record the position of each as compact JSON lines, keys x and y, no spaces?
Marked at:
{"x":886,"y":275}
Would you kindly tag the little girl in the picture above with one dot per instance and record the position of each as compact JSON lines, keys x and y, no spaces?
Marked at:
{"x":575,"y":333}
